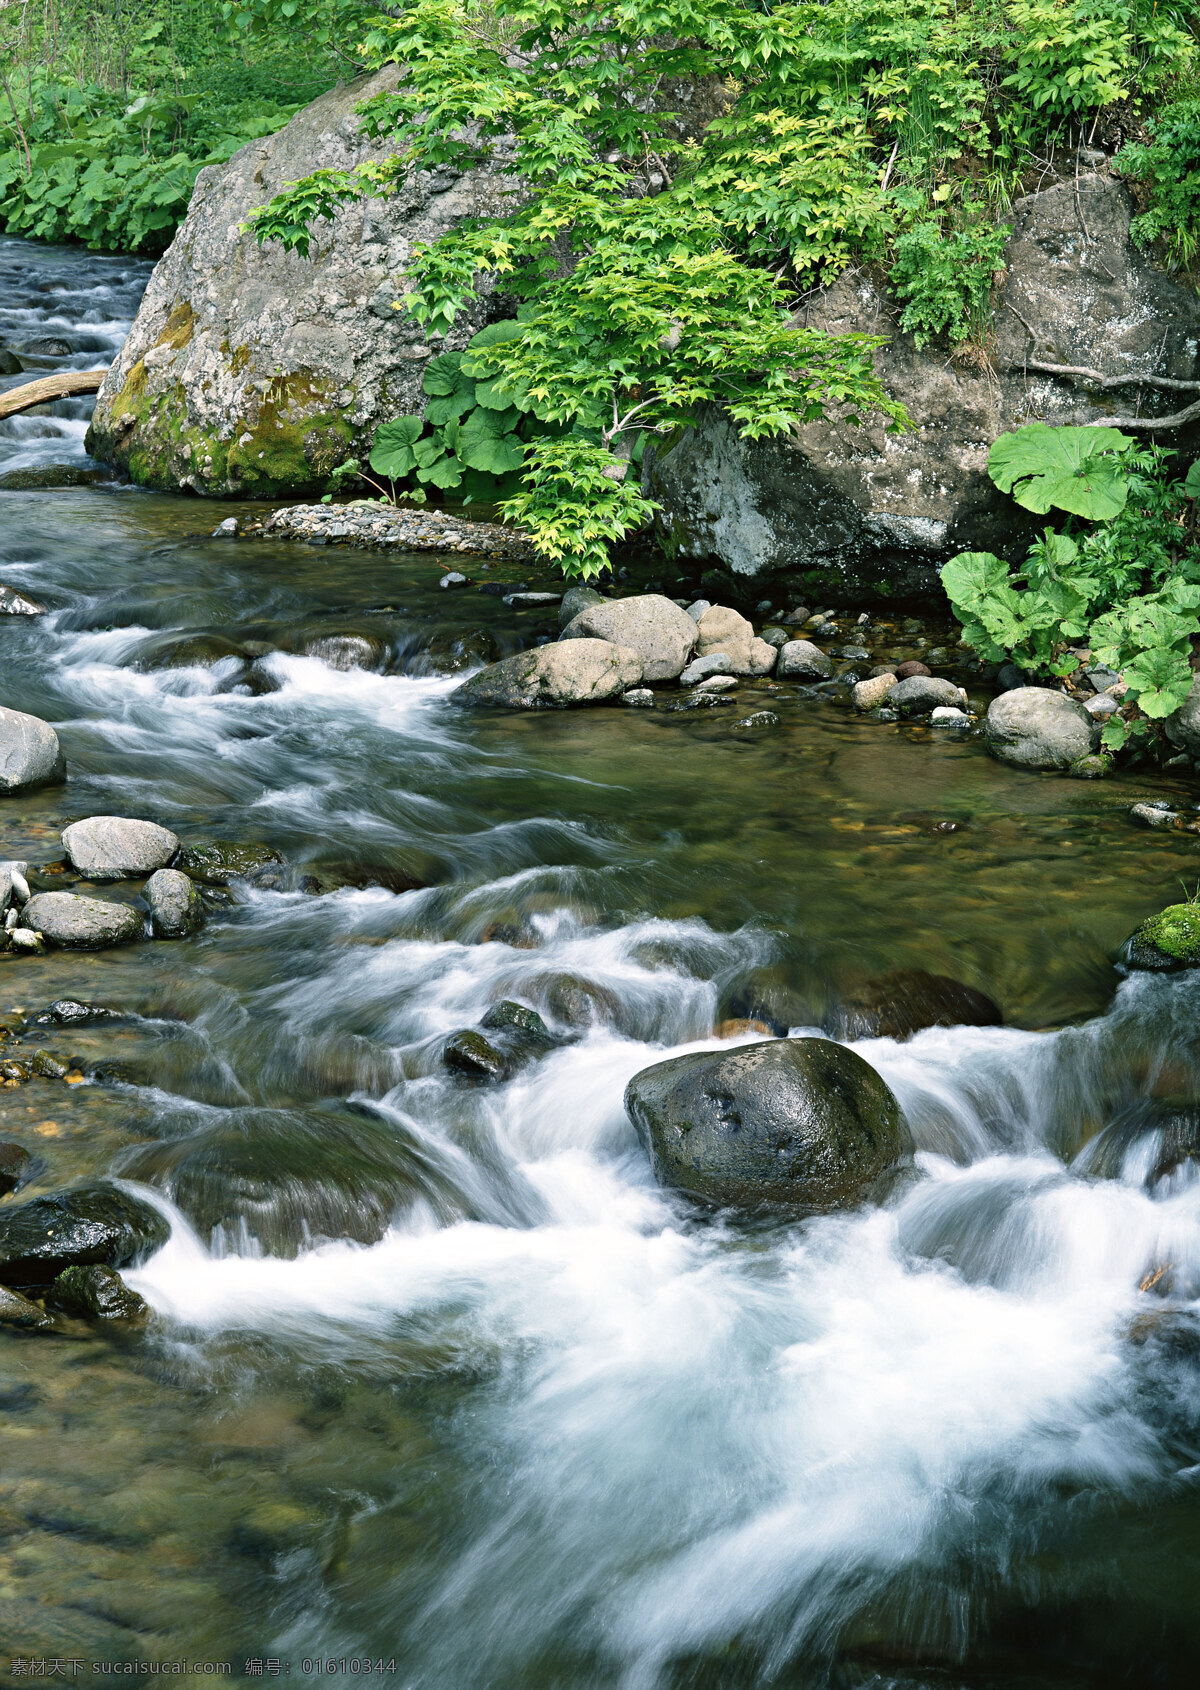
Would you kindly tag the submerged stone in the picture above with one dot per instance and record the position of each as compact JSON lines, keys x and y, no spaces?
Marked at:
{"x":95,"y":1293}
{"x":470,"y":1053}
{"x":218,"y":861}
{"x":902,"y":1002}
{"x":799,"y":1124}
{"x":16,"y":1310}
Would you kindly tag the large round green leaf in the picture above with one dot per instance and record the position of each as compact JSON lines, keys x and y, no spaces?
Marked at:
{"x":1068,"y":469}
{"x":442,"y":373}
{"x":483,"y":443}
{"x":392,"y":450}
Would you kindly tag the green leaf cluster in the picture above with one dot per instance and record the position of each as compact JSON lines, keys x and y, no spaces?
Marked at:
{"x":1123,"y":584}
{"x":1167,"y":166}
{"x":946,"y":278}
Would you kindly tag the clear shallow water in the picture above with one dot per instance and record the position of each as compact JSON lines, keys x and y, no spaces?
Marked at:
{"x":554,"y":1428}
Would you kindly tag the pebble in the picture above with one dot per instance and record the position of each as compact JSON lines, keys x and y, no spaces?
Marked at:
{"x":872,"y":692}
{"x":453,"y":579}
{"x":717,"y":683}
{"x":520,"y":599}
{"x":760,"y":719}
{"x":381,"y":528}
{"x":641,"y":698}
{"x":1102,"y":705}
{"x":696,"y":609}
{"x":947,"y":716}
{"x":227,"y":530}
{"x":701,"y":668}
{"x":1153,"y":815}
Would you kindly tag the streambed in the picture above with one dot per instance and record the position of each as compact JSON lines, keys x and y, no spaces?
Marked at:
{"x":556,"y":1429}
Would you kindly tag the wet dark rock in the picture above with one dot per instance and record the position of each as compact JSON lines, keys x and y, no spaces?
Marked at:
{"x":1167,"y":941}
{"x":390,"y":877}
{"x":508,"y":1013}
{"x":116,"y":848}
{"x":906,"y":671}
{"x":194,"y":651}
{"x":800,"y":1124}
{"x":48,"y":1067}
{"x":902,"y":1002}
{"x":83,"y":924}
{"x":470,"y":1053}
{"x":218,"y":861}
{"x":569,"y":672}
{"x":16,"y":1310}
{"x":30,"y":754}
{"x":697,"y":700}
{"x":1183,"y":725}
{"x":1037,"y":728}
{"x":347,"y":651}
{"x":573,"y":1001}
{"x":176,"y":907}
{"x":95,"y":1224}
{"x":16,"y":1165}
{"x":48,"y":346}
{"x":1150,"y":1140}
{"x":15,"y":603}
{"x":1153,"y":815}
{"x":285,"y":1178}
{"x":10,"y":364}
{"x":15,"y":1072}
{"x":448,"y":651}
{"x":759,"y":719}
{"x":70,"y":1012}
{"x":639,"y":698}
{"x":95,"y":1293}
{"x":259,"y":680}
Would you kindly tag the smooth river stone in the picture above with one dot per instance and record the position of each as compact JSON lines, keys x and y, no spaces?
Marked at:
{"x":30,"y":754}
{"x":176,"y":908}
{"x":81,"y":924}
{"x":89,"y":1224}
{"x":114,"y":848}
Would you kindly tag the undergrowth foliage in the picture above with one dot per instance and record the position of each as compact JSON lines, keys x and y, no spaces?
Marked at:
{"x":659,"y":258}
{"x":1119,"y":586}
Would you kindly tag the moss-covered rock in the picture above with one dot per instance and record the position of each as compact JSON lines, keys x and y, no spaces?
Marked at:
{"x":1168,"y":940}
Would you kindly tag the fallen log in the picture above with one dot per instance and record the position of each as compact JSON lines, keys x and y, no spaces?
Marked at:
{"x":32,"y":393}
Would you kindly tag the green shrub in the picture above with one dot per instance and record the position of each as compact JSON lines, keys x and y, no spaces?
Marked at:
{"x":1168,"y":166}
{"x":947,"y":279}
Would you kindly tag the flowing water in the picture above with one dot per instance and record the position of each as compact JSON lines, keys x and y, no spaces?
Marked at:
{"x":440,"y":1384}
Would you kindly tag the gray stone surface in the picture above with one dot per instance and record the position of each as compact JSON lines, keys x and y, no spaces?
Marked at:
{"x":1102,"y":706}
{"x":82,"y":924}
{"x":700,"y":668}
{"x":1036,"y":728}
{"x":654,"y":627}
{"x":949,"y":716}
{"x":117,"y":848}
{"x":571,"y":672}
{"x":253,"y":370}
{"x":802,"y":1124}
{"x":176,"y":908}
{"x":1183,"y":727}
{"x":873,"y":506}
{"x":576,"y":599}
{"x":13,"y":602}
{"x":640,"y":698}
{"x":801,"y":660}
{"x":920,"y":694}
{"x":717,"y":683}
{"x":723,"y":629}
{"x":30,"y":754}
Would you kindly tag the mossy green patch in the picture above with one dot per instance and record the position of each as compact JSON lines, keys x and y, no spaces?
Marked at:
{"x":1170,"y":939}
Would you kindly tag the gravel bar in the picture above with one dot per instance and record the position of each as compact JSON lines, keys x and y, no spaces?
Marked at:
{"x":406,"y":530}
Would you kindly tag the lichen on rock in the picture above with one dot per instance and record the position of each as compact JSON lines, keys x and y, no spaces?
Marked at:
{"x":1168,"y":940}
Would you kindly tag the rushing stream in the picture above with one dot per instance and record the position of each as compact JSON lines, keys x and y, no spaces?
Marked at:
{"x":552,"y":1428}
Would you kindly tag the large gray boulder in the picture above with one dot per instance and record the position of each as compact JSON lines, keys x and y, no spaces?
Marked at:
{"x":887,"y":508}
{"x":801,"y":1124}
{"x":554,"y":676}
{"x":574,"y":600}
{"x":176,"y":908}
{"x":801,"y":660}
{"x":30,"y":754}
{"x":917,"y":695}
{"x":253,"y":371}
{"x":656,"y":629}
{"x":1036,"y":728}
{"x":81,"y":924}
{"x":114,"y":848}
{"x":1183,"y":726}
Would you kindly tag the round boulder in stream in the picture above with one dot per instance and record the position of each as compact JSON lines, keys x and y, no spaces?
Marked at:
{"x":1037,"y":728}
{"x":30,"y":754}
{"x":81,"y":924}
{"x":803,"y":1125}
{"x":116,"y":847}
{"x":1165,"y":942}
{"x":554,"y":676}
{"x":176,"y":908}
{"x":89,"y":1225}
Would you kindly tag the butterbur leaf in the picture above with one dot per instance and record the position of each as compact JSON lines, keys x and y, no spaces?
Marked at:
{"x":392,"y":449}
{"x":442,"y":374}
{"x":452,"y":405}
{"x":1069,"y":469}
{"x":971,"y":576}
{"x":443,"y":472}
{"x":1161,"y":678}
{"x":484,"y":445}
{"x":1116,"y":732}
{"x":1191,"y":482}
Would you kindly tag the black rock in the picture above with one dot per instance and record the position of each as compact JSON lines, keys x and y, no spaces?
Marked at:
{"x":1162,"y":1135}
{"x":803,"y":1125}
{"x":88,"y":1225}
{"x":10,"y":364}
{"x":470,"y":1053}
{"x":900,"y":1003}
{"x":69,"y":1012}
{"x":95,"y":1293}
{"x":16,"y":1310}
{"x":509,"y":1014}
{"x":498,"y":589}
